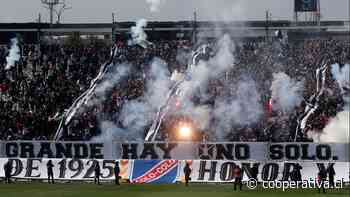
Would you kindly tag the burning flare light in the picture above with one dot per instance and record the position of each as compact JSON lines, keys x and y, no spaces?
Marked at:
{"x":185,"y":131}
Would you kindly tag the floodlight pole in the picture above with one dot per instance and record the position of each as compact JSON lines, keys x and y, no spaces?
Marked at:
{"x":39,"y":28}
{"x":50,"y":6}
{"x":194,"y":36}
{"x":267,"y":25}
{"x":113,"y":28}
{"x":318,"y":17}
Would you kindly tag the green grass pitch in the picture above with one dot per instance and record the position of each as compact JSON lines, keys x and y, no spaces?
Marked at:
{"x":175,"y":190}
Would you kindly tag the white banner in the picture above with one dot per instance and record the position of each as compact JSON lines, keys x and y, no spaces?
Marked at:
{"x":52,"y":149}
{"x":222,"y":171}
{"x":64,"y":169}
{"x":202,"y":170}
{"x":254,"y":151}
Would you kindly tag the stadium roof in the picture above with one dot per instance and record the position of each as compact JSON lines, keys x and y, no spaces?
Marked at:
{"x":181,"y":25}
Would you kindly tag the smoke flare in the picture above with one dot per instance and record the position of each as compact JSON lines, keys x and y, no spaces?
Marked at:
{"x":154,"y":5}
{"x":286,"y":93}
{"x":14,"y":54}
{"x":338,"y":129}
{"x":138,"y":35}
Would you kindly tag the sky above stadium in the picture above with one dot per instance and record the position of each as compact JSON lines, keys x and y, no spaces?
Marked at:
{"x":93,"y":11}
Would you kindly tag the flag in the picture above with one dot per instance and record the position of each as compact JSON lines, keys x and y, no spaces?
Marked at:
{"x":154,"y":171}
{"x":124,"y":168}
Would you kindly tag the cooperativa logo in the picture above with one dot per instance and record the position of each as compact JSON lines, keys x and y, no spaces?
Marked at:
{"x":304,"y":184}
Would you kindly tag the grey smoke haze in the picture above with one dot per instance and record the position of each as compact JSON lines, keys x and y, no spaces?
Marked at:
{"x":286,"y":92}
{"x":138,"y":113}
{"x":243,"y":108}
{"x":135,"y":116}
{"x":338,"y":129}
{"x":110,"y":80}
{"x":197,"y":82}
{"x":201,"y":73}
{"x":158,"y":83}
{"x":137,"y":32}
{"x":154,"y":5}
{"x":14,"y":54}
{"x":110,"y":131}
{"x":341,"y":75}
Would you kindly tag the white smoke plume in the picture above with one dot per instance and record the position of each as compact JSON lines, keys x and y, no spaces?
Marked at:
{"x":205,"y":70}
{"x":201,"y":116}
{"x":134,"y":116}
{"x":110,"y":80}
{"x":14,"y":54}
{"x":286,"y":92}
{"x":341,"y":75}
{"x":154,"y":5}
{"x":138,"y":35}
{"x":158,"y":83}
{"x":338,"y":129}
{"x":197,"y":80}
{"x":110,"y":131}
{"x":130,"y":125}
{"x":242,"y":109}
{"x":224,"y":58}
{"x":96,"y":94}
{"x":137,"y":114}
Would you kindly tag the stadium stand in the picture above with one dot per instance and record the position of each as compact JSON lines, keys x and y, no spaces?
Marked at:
{"x":50,"y":77}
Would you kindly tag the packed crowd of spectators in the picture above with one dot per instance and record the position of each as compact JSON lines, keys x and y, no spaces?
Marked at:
{"x":49,"y":77}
